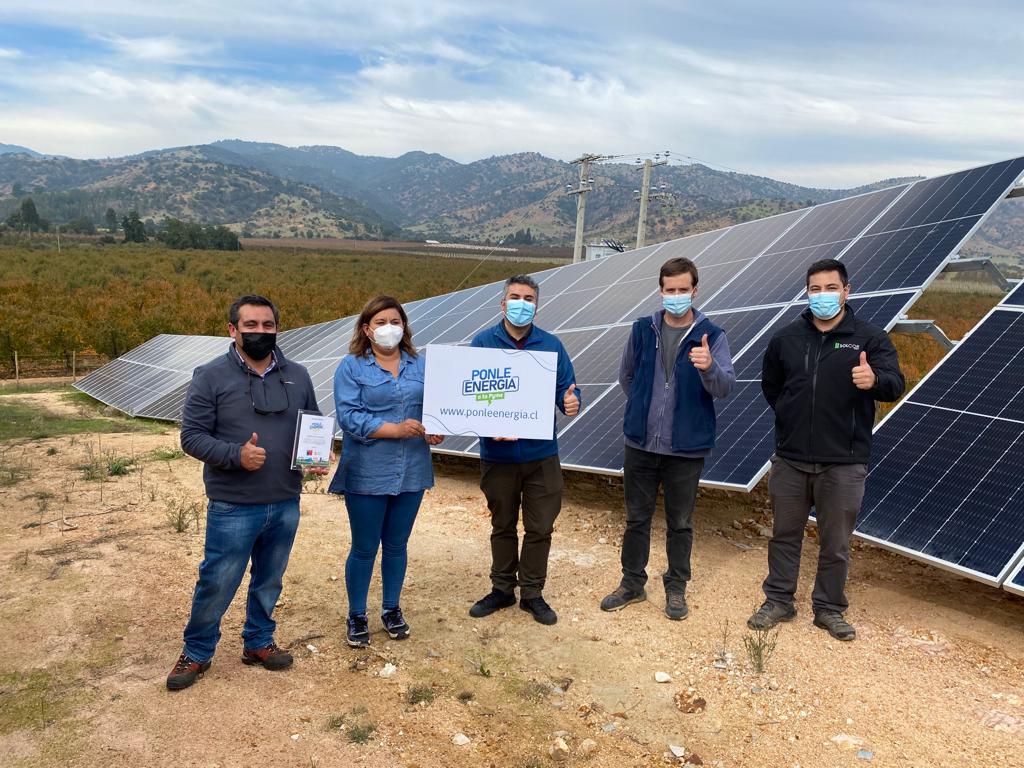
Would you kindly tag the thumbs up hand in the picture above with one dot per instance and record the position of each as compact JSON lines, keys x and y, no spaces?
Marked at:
{"x":571,"y":401}
{"x":863,"y":376}
{"x":701,"y":356}
{"x":252,"y":455}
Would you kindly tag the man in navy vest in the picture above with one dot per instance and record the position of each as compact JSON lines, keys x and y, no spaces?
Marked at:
{"x":676,"y":362}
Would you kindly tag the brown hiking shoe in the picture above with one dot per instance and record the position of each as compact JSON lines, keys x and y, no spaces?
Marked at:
{"x":271,"y":657}
{"x":186,"y":671}
{"x":620,"y":598}
{"x":834,"y":623}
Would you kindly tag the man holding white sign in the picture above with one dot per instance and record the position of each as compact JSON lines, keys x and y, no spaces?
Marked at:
{"x":523,"y":471}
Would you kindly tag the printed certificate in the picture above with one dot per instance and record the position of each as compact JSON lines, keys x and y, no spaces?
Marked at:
{"x":314,"y":435}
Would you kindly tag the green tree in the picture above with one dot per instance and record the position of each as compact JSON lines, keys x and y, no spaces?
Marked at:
{"x":134,"y":229}
{"x":80,"y":226}
{"x":111,"y":219}
{"x":29,"y":215}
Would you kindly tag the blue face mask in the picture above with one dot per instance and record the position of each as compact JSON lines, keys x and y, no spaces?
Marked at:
{"x":677,"y":304}
{"x":824,"y":305}
{"x":520,"y":312}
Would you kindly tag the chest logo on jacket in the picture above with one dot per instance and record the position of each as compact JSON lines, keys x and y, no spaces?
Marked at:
{"x":841,"y":345}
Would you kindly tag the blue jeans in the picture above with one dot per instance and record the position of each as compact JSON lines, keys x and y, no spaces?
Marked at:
{"x":236,"y":534}
{"x":378,"y":521}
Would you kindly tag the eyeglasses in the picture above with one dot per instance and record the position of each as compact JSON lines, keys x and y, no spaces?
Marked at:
{"x":269,"y":401}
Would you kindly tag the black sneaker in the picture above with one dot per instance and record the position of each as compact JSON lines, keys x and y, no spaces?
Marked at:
{"x":622,"y":597}
{"x":186,"y":671}
{"x":395,"y":624}
{"x":771,"y":613}
{"x":358,"y":631}
{"x":541,"y":611}
{"x":492,"y":602}
{"x":675,"y":606}
{"x":835,"y":624}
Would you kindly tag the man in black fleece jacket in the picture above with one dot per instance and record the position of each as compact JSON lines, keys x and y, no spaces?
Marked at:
{"x":239,"y":420}
{"x":822,"y":375}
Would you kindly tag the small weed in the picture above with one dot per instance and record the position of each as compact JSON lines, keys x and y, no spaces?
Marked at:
{"x":183,"y":513}
{"x":760,"y":645}
{"x":167,"y":453}
{"x":12,"y":471}
{"x":360,"y":733}
{"x":336,"y":723}
{"x":528,"y":690}
{"x":118,"y":466}
{"x":51,"y":451}
{"x":465,"y":696}
{"x":420,"y":694}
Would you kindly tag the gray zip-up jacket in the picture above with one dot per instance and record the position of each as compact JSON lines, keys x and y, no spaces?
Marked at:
{"x":219,"y":418}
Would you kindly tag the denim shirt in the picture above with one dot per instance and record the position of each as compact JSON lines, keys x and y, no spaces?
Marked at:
{"x":365,"y":397}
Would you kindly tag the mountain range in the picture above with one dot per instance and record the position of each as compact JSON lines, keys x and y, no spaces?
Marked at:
{"x":265,"y":189}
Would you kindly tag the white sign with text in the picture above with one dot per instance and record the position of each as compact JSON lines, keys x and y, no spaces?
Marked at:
{"x":489,"y":392}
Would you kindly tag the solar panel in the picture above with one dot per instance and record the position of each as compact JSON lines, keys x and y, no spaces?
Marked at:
{"x":1016,"y":296}
{"x":751,"y":280}
{"x":945,"y":483}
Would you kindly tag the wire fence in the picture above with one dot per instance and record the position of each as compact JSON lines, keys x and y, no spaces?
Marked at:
{"x":74,"y":365}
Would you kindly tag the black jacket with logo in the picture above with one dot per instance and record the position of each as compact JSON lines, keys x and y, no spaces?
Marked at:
{"x":807,"y":378}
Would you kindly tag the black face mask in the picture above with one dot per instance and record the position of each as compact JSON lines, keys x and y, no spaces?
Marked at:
{"x":258,"y":346}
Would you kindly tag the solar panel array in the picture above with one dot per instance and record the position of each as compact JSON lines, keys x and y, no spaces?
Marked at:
{"x":945,"y":483}
{"x":893,"y":240}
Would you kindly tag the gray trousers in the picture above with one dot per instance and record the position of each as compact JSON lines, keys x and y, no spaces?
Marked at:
{"x":536,"y":488}
{"x":835,"y":491}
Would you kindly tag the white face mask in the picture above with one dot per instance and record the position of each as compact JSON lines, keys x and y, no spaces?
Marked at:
{"x":388,"y":336}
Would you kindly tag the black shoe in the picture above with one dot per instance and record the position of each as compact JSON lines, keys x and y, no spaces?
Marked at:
{"x":492,"y":602}
{"x":186,"y":671}
{"x":771,"y":613}
{"x":675,"y":606}
{"x":395,"y":624}
{"x":835,"y":624}
{"x":358,"y":630}
{"x":270,"y":656}
{"x":541,"y":611}
{"x":622,"y":597}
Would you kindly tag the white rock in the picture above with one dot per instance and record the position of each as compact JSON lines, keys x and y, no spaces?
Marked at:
{"x":602,"y":540}
{"x":559,"y":751}
{"x":295,"y":737}
{"x":677,"y":751}
{"x":334,"y":578}
{"x":460,"y":739}
{"x":387,"y":670}
{"x":588,"y":747}
{"x":311,"y":648}
{"x":845,"y":741}
{"x":662,"y":677}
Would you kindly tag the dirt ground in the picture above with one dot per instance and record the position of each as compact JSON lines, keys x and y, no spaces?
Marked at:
{"x":97,"y":584}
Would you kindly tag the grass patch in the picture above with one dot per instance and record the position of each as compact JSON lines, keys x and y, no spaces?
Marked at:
{"x":32,"y":700}
{"x":12,"y":469}
{"x":528,"y":690}
{"x":465,"y":696}
{"x":167,"y":452}
{"x":24,"y":420}
{"x":100,"y":466}
{"x":358,"y":729}
{"x":420,"y":694}
{"x":360,"y":733}
{"x":8,"y":387}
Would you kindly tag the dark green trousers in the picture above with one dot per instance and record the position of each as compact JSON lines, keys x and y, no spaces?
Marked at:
{"x":536,"y":488}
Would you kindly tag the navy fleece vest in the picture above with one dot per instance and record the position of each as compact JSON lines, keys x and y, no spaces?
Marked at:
{"x":693,"y":415}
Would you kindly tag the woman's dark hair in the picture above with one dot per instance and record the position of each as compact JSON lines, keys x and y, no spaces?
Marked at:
{"x":360,"y":343}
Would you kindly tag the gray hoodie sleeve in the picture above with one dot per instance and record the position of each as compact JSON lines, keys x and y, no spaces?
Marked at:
{"x":198,"y":421}
{"x":720,"y":378}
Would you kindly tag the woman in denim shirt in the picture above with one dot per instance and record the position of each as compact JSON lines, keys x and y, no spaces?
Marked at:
{"x":385,"y":462}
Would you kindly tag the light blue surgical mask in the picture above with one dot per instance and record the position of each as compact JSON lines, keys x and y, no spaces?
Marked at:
{"x":520,"y":312}
{"x":824,"y":305}
{"x":677,"y":304}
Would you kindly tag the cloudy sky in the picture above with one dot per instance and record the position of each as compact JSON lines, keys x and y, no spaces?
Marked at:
{"x":831,"y":93}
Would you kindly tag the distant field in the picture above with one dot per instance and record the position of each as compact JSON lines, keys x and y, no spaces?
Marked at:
{"x":531,"y":252}
{"x":112,"y":298}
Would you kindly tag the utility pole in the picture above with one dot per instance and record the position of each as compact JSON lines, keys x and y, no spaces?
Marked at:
{"x":644,"y":195}
{"x":586,"y":184}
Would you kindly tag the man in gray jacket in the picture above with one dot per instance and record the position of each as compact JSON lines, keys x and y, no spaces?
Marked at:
{"x":675,"y":363}
{"x":239,"y":420}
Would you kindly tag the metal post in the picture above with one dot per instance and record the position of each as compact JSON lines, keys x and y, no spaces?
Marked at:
{"x":17,"y":371}
{"x":641,"y":225}
{"x":74,"y":378}
{"x":585,"y":185}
